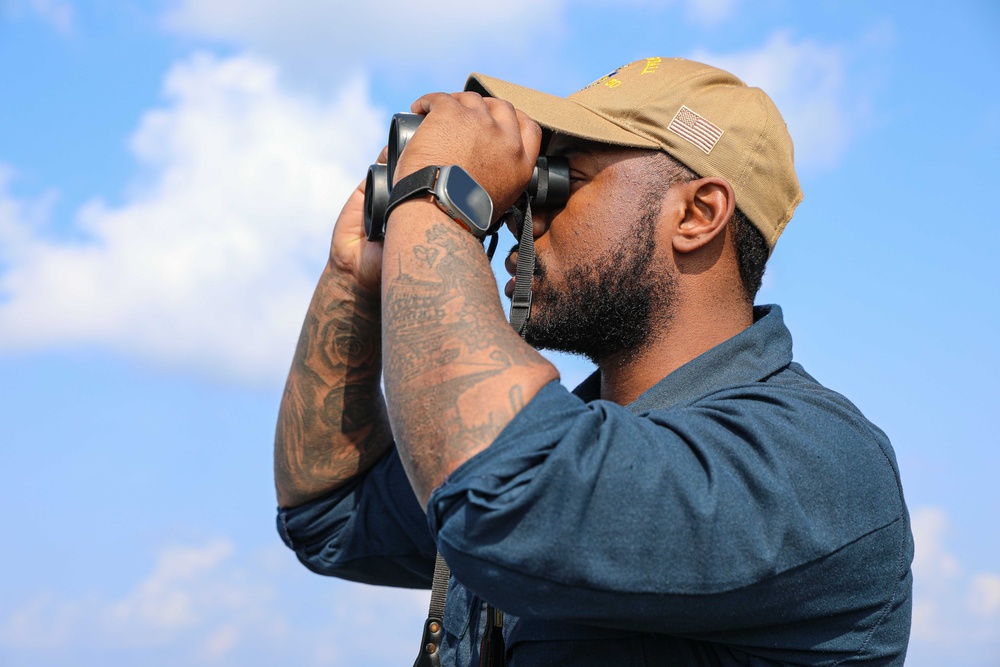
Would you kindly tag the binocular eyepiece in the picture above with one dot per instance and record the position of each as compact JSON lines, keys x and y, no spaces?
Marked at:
{"x":549,"y":185}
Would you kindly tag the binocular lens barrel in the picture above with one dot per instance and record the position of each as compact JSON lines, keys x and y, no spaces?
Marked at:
{"x":549,"y":184}
{"x":377,"y":185}
{"x":401,"y":128}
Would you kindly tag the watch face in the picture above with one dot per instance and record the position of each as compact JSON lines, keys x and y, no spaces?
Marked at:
{"x":466,"y":199}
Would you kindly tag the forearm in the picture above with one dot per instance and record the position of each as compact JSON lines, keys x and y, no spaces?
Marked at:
{"x":332,"y":423}
{"x":456,"y":373}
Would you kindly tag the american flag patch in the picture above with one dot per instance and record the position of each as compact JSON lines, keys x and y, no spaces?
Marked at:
{"x":695,"y":129}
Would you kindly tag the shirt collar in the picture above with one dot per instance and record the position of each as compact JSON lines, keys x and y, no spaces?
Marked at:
{"x":750,"y":356}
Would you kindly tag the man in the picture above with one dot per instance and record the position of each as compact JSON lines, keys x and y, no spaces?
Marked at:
{"x":700,"y":500}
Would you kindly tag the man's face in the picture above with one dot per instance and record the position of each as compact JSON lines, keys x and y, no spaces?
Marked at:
{"x":599,"y":283}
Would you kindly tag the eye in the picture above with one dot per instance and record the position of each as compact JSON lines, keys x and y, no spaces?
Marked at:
{"x":576,"y":177}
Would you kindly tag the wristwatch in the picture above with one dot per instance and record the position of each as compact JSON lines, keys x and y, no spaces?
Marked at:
{"x":456,"y":193}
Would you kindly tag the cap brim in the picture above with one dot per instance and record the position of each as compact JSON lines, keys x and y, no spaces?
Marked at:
{"x":559,"y":114}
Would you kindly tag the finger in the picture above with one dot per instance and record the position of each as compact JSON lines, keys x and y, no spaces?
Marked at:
{"x":467,"y":99}
{"x":531,"y":132}
{"x":383,"y":156}
{"x":362,"y":185}
{"x":502,"y":110}
{"x":471,"y":100}
{"x":425,"y":103}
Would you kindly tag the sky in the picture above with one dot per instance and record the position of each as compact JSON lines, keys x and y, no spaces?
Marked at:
{"x":169,"y":176}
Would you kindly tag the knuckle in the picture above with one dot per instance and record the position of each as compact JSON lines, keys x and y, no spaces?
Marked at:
{"x":503,"y":104}
{"x":470,"y":98}
{"x":534,"y":128}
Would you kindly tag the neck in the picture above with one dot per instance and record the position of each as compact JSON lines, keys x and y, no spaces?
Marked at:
{"x":689,"y":333}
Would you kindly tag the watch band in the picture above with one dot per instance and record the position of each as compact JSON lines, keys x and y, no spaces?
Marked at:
{"x":418,"y":183}
{"x":455,"y":192}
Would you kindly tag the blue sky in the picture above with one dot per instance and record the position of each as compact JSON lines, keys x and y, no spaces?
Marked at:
{"x":169,"y":175}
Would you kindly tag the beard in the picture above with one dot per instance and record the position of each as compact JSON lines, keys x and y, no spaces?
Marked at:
{"x":607,"y":305}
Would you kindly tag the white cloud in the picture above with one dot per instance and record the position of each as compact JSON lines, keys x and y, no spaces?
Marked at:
{"x":193,"y":594}
{"x":931,"y":559}
{"x":954,"y":613}
{"x":334,"y":37}
{"x":809,"y":83}
{"x":706,"y":13}
{"x":165,"y":600}
{"x":984,"y":598}
{"x":20,"y":220}
{"x":376,"y":626}
{"x":710,"y":12}
{"x":210,"y":604}
{"x":58,"y":14}
{"x":209,"y":262}
{"x":809,"y":80}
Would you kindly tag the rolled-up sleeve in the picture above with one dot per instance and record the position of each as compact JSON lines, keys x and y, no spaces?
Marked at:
{"x":589,"y":513}
{"x":372,"y":530}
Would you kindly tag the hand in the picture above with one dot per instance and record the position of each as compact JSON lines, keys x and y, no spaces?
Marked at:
{"x":350,"y":251}
{"x":497,"y":144}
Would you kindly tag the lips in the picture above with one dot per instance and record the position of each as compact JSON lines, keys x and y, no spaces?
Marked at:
{"x":511,"y":265}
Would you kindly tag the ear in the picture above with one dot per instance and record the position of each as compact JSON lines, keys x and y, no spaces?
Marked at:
{"x":709,"y":204}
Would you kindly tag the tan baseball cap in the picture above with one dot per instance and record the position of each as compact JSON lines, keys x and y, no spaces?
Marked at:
{"x":704,"y":117}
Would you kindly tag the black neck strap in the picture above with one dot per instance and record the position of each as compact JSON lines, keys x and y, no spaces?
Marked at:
{"x":520,"y":301}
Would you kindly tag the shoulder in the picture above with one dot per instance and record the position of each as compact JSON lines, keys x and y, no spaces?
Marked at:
{"x":813,"y":438}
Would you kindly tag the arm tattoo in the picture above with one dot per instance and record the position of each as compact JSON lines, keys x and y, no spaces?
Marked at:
{"x":332,"y":423}
{"x":446,"y":342}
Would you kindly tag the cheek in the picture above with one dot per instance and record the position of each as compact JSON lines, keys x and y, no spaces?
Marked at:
{"x":583,"y":229}
{"x":594,"y":220}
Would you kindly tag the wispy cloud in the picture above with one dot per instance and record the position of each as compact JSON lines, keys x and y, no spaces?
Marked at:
{"x":809,"y":81}
{"x":955,"y":613}
{"x":327,"y":39}
{"x":167,"y":599}
{"x":209,"y":262}
{"x":711,"y":12}
{"x":58,"y":14}
{"x":192,"y":598}
{"x":210,"y":604}
{"x":704,"y":13}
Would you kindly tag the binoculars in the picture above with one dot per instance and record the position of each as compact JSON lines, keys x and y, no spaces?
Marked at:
{"x":549,"y":185}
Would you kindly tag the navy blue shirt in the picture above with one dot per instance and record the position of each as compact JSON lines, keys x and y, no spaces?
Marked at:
{"x":737,"y":513}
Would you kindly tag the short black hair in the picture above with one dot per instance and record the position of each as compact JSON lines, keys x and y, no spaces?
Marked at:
{"x":751,"y":254}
